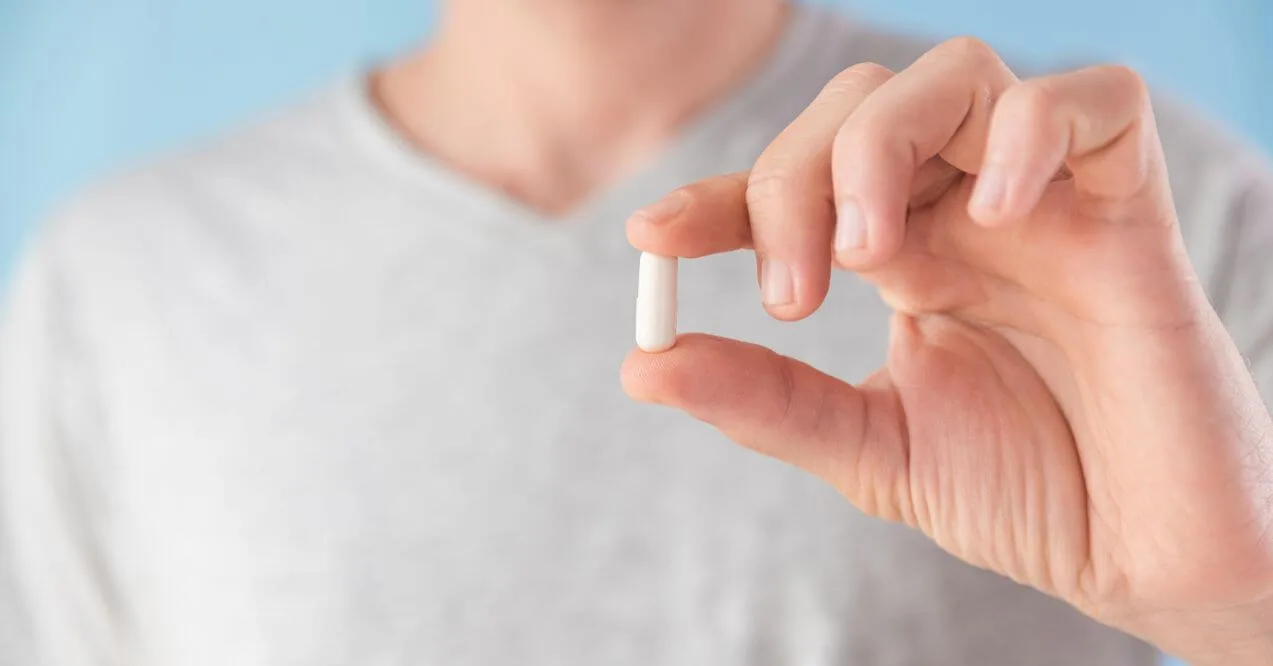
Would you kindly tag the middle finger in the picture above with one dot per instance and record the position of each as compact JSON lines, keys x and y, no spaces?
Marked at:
{"x":938,"y":107}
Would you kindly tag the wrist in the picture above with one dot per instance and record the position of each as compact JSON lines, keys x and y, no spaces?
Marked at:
{"x":1231,"y":637}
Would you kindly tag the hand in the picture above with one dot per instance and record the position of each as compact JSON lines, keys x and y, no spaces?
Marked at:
{"x":1060,"y":403}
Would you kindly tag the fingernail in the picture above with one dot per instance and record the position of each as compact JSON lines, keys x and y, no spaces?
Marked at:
{"x":776,"y":285}
{"x":850,"y":227}
{"x":665,"y":209}
{"x":989,"y":191}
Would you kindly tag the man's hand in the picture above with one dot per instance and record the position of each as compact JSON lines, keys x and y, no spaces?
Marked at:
{"x":1060,"y":403}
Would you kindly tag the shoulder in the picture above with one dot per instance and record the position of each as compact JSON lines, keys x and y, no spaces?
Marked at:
{"x":202,"y":229}
{"x":208,"y":207}
{"x":284,"y":150}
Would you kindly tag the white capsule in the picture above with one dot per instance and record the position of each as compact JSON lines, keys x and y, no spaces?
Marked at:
{"x":656,"y":303}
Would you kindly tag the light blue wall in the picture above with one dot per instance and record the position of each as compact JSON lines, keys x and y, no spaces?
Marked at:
{"x":86,"y":85}
{"x":90,"y":84}
{"x":1218,"y":53}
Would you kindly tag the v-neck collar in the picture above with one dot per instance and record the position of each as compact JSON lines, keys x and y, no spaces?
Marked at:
{"x":706,"y":129}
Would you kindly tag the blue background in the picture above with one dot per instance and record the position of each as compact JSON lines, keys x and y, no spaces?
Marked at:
{"x":87,"y":85}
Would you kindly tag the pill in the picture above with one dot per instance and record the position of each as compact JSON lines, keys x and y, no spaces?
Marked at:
{"x":656,"y":303}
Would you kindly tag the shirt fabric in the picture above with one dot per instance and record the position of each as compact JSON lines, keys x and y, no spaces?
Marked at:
{"x":303,"y":395}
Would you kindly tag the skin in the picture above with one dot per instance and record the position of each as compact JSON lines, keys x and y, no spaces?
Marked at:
{"x":1060,"y":403}
{"x":551,"y":101}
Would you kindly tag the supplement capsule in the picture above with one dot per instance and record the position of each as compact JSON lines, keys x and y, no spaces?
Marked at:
{"x":656,"y":303}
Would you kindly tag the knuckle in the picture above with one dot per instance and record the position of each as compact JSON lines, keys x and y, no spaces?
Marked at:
{"x":906,"y":298}
{"x":787,"y":381}
{"x":970,"y":49}
{"x":862,"y":133}
{"x":862,"y":75}
{"x":685,"y":191}
{"x":915,"y":292}
{"x":872,"y":140}
{"x":1127,"y":79}
{"x":689,"y":194}
{"x":871,"y":70}
{"x":1035,"y":103}
{"x":1035,"y":99}
{"x":765,"y":187}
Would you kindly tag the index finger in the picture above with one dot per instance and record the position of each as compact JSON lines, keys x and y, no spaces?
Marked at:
{"x":782,"y":208}
{"x":707,"y":217}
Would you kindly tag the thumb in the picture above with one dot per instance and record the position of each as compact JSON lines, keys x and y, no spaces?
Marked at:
{"x":850,"y":437}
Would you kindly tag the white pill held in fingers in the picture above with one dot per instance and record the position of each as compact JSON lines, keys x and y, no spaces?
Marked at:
{"x":656,"y":303}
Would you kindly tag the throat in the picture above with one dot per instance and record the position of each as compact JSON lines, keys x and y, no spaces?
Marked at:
{"x":550,"y":110}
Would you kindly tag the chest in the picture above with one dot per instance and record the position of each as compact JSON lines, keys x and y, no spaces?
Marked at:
{"x":410,"y":455}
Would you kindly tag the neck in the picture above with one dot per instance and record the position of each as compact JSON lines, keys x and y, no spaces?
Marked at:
{"x":550,"y":101}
